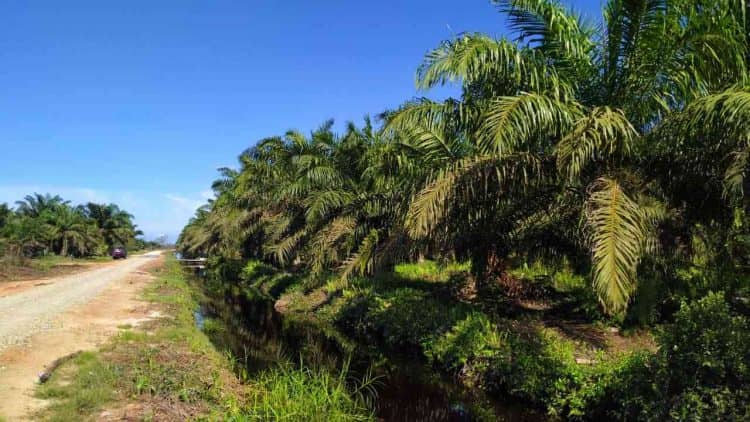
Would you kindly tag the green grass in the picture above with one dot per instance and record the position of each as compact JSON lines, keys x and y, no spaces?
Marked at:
{"x":71,"y":397}
{"x":302,"y":394}
{"x":429,"y":271}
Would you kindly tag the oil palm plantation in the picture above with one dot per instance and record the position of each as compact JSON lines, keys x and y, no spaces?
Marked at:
{"x":323,"y":200}
{"x":36,"y":204}
{"x":115,"y":225}
{"x":606,"y":144}
{"x":43,"y":224}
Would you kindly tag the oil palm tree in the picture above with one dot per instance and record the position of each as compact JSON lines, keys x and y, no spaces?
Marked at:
{"x":36,"y":204}
{"x":557,"y":124}
{"x":115,"y":225}
{"x":73,"y":231}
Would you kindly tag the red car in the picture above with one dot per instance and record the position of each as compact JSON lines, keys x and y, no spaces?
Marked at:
{"x":118,"y":253}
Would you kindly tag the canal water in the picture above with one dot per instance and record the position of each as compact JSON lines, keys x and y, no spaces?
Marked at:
{"x":407,"y":389}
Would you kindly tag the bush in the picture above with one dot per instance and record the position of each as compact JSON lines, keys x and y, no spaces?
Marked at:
{"x":700,"y":373}
{"x":538,"y":366}
{"x":470,"y":346}
{"x":613,"y":389}
{"x":253,"y":270}
{"x":529,"y":363}
{"x":402,"y":319}
{"x":704,"y":358}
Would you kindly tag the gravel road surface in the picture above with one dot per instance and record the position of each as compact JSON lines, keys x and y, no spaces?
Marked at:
{"x":35,"y":310}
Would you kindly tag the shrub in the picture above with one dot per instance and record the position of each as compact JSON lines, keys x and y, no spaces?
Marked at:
{"x":613,"y":389}
{"x":254,"y":270}
{"x":406,"y":318}
{"x":529,"y":363}
{"x":704,"y":358}
{"x":538,"y":366}
{"x":700,"y":373}
{"x":470,"y":346}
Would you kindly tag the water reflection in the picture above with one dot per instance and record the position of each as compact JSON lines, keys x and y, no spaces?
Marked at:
{"x":259,"y":338}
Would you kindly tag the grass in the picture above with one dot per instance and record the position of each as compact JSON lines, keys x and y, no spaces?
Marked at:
{"x":79,"y":389}
{"x":302,"y":394}
{"x":170,"y":370}
{"x":167,"y":370}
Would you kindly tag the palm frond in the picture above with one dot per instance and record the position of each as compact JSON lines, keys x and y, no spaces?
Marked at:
{"x":476,"y":57}
{"x":603,"y":133}
{"x":617,"y":236}
{"x":432,"y":204}
{"x":546,"y":23}
{"x":512,"y":124}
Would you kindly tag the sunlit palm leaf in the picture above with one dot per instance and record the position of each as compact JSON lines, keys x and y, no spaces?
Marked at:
{"x":604,"y":133}
{"x":618,"y":234}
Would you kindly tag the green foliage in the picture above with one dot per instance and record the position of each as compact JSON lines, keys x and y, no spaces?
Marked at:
{"x":429,"y":270}
{"x":699,"y":373}
{"x":402,"y":319}
{"x":43,"y":224}
{"x":304,"y":394}
{"x":568,"y":140}
{"x":706,"y":349}
{"x":538,"y":365}
{"x":470,"y":346}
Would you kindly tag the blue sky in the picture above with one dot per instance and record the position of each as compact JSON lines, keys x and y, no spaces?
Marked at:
{"x":139,"y":102}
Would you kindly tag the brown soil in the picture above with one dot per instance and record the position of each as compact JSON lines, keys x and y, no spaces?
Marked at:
{"x":83,"y":327}
{"x":16,"y":279}
{"x":11,"y":273}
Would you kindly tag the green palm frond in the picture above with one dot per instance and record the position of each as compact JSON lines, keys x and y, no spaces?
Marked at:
{"x":364,"y":261}
{"x":318,"y":204}
{"x":548,"y":24}
{"x":323,"y":243}
{"x":603,"y":133}
{"x":617,"y":235}
{"x":475,"y":57}
{"x":734,"y":177}
{"x":429,"y":127}
{"x":512,"y":123}
{"x":432,"y":204}
{"x":284,"y":250}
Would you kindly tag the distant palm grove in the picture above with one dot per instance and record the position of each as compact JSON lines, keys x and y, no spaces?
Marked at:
{"x":39,"y":225}
{"x":613,"y":151}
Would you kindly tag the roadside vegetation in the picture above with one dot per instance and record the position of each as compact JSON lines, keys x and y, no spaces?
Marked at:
{"x":164,"y":370}
{"x":572,"y":231}
{"x":168,"y":369}
{"x":43,"y":234}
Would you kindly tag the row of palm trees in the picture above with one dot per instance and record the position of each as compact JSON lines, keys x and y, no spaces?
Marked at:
{"x":613,"y":146}
{"x":42,"y":224}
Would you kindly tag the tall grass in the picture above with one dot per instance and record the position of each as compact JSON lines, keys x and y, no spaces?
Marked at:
{"x":291,"y":393}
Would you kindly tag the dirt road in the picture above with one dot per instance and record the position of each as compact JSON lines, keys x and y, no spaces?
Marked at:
{"x":64,"y":315}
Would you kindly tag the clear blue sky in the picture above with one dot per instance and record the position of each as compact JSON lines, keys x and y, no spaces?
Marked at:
{"x":139,"y":102}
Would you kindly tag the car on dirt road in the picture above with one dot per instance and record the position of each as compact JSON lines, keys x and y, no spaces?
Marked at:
{"x":119,"y":253}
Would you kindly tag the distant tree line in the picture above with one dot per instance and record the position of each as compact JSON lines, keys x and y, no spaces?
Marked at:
{"x":44,"y":224}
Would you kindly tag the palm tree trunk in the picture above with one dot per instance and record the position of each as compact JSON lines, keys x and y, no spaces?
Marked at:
{"x":64,"y":251}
